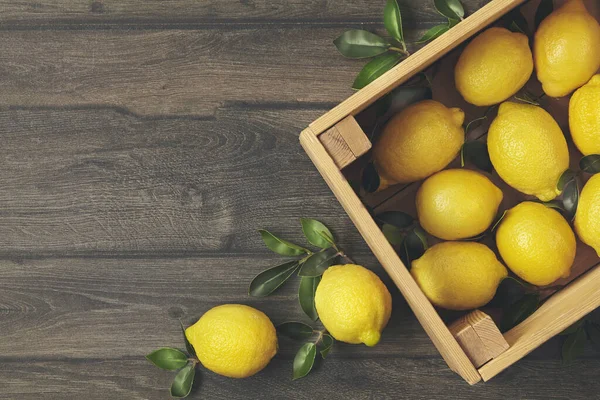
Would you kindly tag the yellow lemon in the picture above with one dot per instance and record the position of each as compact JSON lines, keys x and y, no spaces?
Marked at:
{"x":233,"y":340}
{"x":457,"y":204}
{"x":353,"y":304}
{"x":584,"y":117}
{"x":587,"y":221}
{"x":536,"y":243}
{"x":528,"y":149}
{"x":567,"y":49}
{"x":419,"y":141}
{"x":459,"y":275}
{"x":493,"y":67}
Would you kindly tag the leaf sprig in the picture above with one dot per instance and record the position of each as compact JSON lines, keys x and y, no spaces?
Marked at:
{"x":309,"y":266}
{"x":388,"y":52}
{"x":317,"y":340}
{"x":402,"y":231}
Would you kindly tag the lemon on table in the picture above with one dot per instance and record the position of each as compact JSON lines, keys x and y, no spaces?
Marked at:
{"x":233,"y":340}
{"x":536,"y":243}
{"x":459,"y":275}
{"x":493,"y":67}
{"x":567,"y":49}
{"x":528,"y":149}
{"x":584,"y":117}
{"x":419,"y":141}
{"x":457,"y":204}
{"x":353,"y":304}
{"x":587,"y":221}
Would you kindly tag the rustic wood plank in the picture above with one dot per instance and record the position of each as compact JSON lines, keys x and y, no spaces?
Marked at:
{"x":100,"y":181}
{"x":211,"y":11}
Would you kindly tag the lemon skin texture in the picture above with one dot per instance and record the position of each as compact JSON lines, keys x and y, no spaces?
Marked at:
{"x":567,"y":49}
{"x":536,"y":243}
{"x":528,"y":149}
{"x":233,"y":340}
{"x":587,"y":218}
{"x":418,"y":142}
{"x":353,"y":304}
{"x":458,"y":275}
{"x":584,"y":117}
{"x":457,"y":204}
{"x":493,"y":67}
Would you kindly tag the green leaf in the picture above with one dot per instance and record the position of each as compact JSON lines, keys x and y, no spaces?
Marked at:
{"x":317,"y":263}
{"x":188,"y":346}
{"x":590,"y":164}
{"x":306,"y":295}
{"x":361,"y":44}
{"x":268,"y":281}
{"x":295,"y":330}
{"x":476,"y":153}
{"x":573,"y":328}
{"x":565,"y":178}
{"x":399,"y":219}
{"x":434,"y":33}
{"x":304,"y":360}
{"x":314,"y":231}
{"x":519,"y":311}
{"x":370,"y":179}
{"x":554,"y":204}
{"x":517,"y":22}
{"x":375,"y":68}
{"x":495,"y":225}
{"x":544,"y":9}
{"x":451,"y":9}
{"x":392,"y":234}
{"x":182,"y":384}
{"x":570,"y":198}
{"x":452,"y":23}
{"x":400,"y":98}
{"x":168,"y":358}
{"x":326,"y":344}
{"x":593,"y":332}
{"x":280,"y":246}
{"x":392,"y":19}
{"x":414,"y":246}
{"x":574,"y":345}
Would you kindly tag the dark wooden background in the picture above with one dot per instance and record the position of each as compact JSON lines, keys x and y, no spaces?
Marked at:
{"x":142,"y":145}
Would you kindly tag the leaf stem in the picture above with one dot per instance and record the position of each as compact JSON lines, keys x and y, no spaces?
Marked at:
{"x":402,"y":50}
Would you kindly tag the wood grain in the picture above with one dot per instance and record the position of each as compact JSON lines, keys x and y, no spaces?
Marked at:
{"x":213,"y":11}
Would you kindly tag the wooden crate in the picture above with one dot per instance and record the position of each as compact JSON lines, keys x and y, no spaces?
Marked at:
{"x":473,"y":346}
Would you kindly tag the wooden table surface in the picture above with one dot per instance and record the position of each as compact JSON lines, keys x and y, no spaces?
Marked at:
{"x":142,"y":145}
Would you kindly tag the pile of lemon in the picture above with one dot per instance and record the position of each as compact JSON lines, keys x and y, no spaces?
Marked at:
{"x":527,"y":149}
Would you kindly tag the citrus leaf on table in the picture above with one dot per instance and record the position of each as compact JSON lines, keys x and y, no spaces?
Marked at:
{"x":361,"y":44}
{"x":476,"y":153}
{"x":434,"y":33}
{"x":326,"y":344}
{"x":519,"y":311}
{"x":317,"y":263}
{"x":295,"y":330}
{"x":590,"y":164}
{"x":190,"y":349}
{"x":306,"y":295}
{"x":370,"y":179}
{"x":399,"y":219}
{"x":544,"y":9}
{"x":182,"y":384}
{"x":392,"y":234}
{"x":392,"y":20}
{"x":304,"y":360}
{"x":268,"y":281}
{"x":168,"y":358}
{"x":280,"y":246}
{"x":574,"y":345}
{"x":570,"y":198}
{"x":316,"y":233}
{"x":452,"y":23}
{"x":573,"y":328}
{"x":565,"y":178}
{"x":375,"y":68}
{"x":451,"y":9}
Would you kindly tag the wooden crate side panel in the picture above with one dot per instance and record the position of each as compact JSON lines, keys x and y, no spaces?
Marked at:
{"x":415,"y":63}
{"x":558,"y":313}
{"x":424,"y":311}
